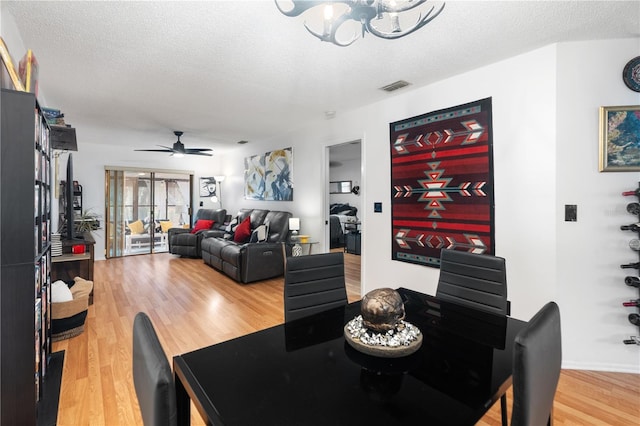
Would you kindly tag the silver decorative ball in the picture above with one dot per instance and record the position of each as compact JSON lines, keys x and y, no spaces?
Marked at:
{"x":382,"y":310}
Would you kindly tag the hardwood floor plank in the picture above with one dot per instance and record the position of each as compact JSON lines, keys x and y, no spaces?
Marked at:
{"x":192,"y":306}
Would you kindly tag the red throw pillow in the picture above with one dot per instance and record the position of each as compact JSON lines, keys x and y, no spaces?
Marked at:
{"x":243,"y":231}
{"x":202,"y":224}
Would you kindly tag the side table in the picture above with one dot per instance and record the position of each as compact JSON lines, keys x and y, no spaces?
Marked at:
{"x":298,"y":248}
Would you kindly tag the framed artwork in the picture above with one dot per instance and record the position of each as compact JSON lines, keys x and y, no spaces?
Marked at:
{"x":28,"y":72}
{"x":269,"y":176}
{"x":620,"y":138}
{"x":442,"y":183}
{"x":207,"y":187}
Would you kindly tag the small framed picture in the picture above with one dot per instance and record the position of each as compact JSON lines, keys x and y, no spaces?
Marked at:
{"x":207,"y":187}
{"x":620,"y":138}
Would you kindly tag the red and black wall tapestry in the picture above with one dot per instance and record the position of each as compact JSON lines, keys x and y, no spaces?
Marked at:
{"x":442,"y":183}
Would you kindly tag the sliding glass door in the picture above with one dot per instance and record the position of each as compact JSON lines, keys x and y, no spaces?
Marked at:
{"x":141,"y":207}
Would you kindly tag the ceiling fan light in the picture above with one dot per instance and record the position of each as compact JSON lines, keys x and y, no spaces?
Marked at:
{"x":177,"y":155}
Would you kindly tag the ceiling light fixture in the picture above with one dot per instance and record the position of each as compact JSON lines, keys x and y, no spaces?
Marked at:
{"x":385,"y":12}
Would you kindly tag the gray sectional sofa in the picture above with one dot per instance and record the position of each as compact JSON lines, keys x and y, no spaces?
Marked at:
{"x":247,"y":262}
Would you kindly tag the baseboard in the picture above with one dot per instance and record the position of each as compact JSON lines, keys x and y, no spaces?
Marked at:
{"x":48,"y":405}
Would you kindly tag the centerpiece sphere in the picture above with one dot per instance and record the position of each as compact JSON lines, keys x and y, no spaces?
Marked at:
{"x":382,"y":310}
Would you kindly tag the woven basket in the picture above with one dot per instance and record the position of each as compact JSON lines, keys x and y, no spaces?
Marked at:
{"x":67,"y":334}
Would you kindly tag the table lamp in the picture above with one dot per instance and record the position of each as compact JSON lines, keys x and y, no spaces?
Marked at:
{"x":294,"y":225}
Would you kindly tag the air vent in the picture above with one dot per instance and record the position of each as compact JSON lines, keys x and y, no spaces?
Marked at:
{"x":395,"y":86}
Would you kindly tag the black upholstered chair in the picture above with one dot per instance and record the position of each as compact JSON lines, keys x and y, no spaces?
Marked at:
{"x":476,"y":280}
{"x":184,"y":243}
{"x":537,"y":359}
{"x":152,"y":375}
{"x":313,"y":284}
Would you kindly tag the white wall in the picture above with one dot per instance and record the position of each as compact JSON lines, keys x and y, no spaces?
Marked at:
{"x":589,"y":279}
{"x":545,"y":125}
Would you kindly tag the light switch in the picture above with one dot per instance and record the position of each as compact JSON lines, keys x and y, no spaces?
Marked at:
{"x":570,"y":213}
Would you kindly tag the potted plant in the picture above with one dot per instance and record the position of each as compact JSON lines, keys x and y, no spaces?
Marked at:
{"x":87,"y":221}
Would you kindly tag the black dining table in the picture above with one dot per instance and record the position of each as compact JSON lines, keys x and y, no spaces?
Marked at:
{"x":305,"y":373}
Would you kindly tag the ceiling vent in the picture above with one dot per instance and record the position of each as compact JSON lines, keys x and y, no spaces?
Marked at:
{"x":395,"y":86}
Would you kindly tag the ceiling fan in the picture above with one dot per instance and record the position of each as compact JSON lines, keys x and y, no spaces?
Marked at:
{"x":178,"y":149}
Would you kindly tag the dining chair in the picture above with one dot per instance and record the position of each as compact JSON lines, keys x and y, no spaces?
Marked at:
{"x":476,"y":280}
{"x":152,"y":376}
{"x":313,"y":283}
{"x":537,"y":360}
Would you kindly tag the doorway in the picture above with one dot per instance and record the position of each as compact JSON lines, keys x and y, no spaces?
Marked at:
{"x":141,"y":207}
{"x":344,"y":170}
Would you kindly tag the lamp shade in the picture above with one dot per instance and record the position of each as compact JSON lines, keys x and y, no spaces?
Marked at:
{"x":294,"y":224}
{"x":219,"y":178}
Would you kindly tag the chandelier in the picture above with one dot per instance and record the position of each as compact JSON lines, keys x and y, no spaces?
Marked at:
{"x":385,"y":13}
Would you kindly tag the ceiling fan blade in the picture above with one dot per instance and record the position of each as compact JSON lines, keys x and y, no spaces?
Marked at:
{"x":179,"y":149}
{"x":197,"y":153}
{"x":191,"y":150}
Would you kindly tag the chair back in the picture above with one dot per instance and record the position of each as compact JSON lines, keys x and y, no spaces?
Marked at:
{"x":152,"y":376}
{"x":476,"y":280}
{"x":218,"y":216}
{"x":537,"y":360}
{"x":313,"y":284}
{"x":278,"y":223}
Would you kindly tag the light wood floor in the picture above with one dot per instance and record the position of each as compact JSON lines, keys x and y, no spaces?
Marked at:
{"x":192,"y":305}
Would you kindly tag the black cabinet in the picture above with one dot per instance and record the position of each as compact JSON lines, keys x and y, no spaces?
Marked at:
{"x":352,"y":242}
{"x":25,"y":260}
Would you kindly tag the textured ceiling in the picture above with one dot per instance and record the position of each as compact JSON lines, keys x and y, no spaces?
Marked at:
{"x":129,"y":73}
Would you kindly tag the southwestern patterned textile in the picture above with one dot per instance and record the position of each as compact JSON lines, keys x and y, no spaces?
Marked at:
{"x":442,"y":183}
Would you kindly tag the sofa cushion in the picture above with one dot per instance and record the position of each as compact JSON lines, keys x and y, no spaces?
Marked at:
{"x":243,"y":231}
{"x":202,"y":224}
{"x":258,"y":217}
{"x":165,"y":225}
{"x":278,"y":223}
{"x":210,"y":214}
{"x":260,"y":234}
{"x":231,"y":227}
{"x":136,"y":227}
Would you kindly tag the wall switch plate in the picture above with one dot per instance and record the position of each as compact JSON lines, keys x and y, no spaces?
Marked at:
{"x":377,"y":207}
{"x":570,"y":213}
